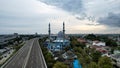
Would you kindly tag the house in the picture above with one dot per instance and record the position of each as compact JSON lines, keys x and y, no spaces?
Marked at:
{"x":99,"y":43}
{"x":69,"y":55}
{"x":81,"y":40}
{"x":104,"y":50}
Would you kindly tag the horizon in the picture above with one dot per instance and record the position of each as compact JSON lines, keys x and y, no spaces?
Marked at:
{"x":66,"y":34}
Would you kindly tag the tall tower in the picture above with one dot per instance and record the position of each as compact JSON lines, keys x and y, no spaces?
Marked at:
{"x":63,"y":33}
{"x":49,"y":31}
{"x":63,"y":28}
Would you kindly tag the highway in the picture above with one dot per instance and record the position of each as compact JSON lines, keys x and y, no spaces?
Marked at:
{"x":29,"y":56}
{"x":35,"y":60}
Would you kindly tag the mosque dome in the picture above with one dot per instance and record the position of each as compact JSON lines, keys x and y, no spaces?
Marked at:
{"x":60,"y":34}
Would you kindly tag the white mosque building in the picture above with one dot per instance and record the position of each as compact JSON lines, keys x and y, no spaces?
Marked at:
{"x":60,"y":42}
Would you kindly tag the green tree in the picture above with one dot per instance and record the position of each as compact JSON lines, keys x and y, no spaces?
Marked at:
{"x":118,"y":48}
{"x":87,"y":59}
{"x":78,"y":50}
{"x":73,"y":43}
{"x":60,"y":65}
{"x":110,"y":42}
{"x":91,"y":37}
{"x":92,"y":65}
{"x":67,"y":48}
{"x":105,"y":62}
{"x":49,"y":60}
{"x":95,"y":56}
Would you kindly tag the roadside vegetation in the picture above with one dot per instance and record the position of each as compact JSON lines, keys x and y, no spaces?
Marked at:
{"x":47,"y":55}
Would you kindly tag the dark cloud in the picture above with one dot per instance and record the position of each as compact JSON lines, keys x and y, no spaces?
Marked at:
{"x":82,"y":17}
{"x":111,"y":20}
{"x":74,"y":6}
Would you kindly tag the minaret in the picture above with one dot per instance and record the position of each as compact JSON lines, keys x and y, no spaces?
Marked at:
{"x":49,"y":31}
{"x":63,"y":32}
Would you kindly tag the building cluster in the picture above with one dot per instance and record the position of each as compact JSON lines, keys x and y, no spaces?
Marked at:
{"x":4,"y":39}
{"x":97,"y":45}
{"x":101,"y":47}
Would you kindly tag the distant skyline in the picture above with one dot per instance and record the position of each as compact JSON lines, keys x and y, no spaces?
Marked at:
{"x":80,"y":16}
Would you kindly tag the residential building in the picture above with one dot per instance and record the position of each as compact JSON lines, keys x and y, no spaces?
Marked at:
{"x":99,"y":43}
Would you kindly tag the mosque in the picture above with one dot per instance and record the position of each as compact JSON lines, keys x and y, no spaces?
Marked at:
{"x":58,"y":43}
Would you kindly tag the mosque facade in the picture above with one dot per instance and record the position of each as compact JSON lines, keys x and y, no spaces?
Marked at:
{"x":60,"y":42}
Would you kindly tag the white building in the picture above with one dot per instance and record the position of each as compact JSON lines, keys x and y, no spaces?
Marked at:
{"x":99,"y":43}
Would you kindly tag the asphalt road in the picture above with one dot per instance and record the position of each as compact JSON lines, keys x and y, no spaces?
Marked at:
{"x":35,"y":60}
{"x":29,"y":56}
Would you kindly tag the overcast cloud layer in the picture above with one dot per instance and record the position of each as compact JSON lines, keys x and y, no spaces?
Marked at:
{"x":107,"y":10}
{"x":80,"y":16}
{"x":112,"y":20}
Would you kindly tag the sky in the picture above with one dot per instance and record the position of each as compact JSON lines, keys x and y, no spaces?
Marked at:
{"x":80,"y":16}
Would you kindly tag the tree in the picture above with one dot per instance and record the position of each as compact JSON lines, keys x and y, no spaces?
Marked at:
{"x":73,"y":43}
{"x":95,"y":56}
{"x":87,"y":59}
{"x":67,"y":48}
{"x":105,"y":62}
{"x":118,"y":48}
{"x":78,"y":50}
{"x":90,"y":37}
{"x":49,"y":60}
{"x":60,"y":65}
{"x":110,"y":42}
{"x":81,"y":45}
{"x":92,"y":65}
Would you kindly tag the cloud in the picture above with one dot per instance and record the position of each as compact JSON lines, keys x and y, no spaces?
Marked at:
{"x":73,"y":6}
{"x":111,"y":20}
{"x":86,"y":9}
{"x":30,"y":16}
{"x":27,"y":16}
